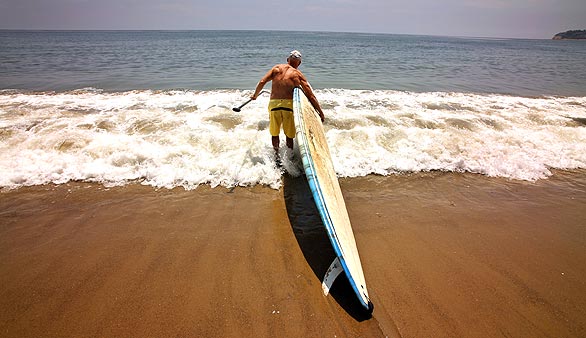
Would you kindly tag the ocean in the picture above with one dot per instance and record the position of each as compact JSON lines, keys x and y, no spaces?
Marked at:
{"x":154,"y":107}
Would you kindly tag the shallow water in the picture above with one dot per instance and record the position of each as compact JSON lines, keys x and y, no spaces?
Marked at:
{"x":155,"y":107}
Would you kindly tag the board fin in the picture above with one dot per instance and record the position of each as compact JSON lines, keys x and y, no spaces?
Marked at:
{"x":333,"y":272}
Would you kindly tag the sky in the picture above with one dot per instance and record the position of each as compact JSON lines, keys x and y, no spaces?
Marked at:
{"x":540,"y":19}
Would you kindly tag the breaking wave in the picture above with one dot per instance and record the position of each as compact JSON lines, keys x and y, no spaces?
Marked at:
{"x":184,"y":138}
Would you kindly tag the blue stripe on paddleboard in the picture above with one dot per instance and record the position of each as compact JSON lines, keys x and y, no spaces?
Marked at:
{"x":309,"y":166}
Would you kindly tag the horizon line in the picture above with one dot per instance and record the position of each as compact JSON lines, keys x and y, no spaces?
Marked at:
{"x":262,"y":30}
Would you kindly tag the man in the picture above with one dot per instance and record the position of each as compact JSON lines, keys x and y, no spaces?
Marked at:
{"x":285,"y":77}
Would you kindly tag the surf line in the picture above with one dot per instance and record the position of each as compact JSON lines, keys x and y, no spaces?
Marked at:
{"x":247,"y":154}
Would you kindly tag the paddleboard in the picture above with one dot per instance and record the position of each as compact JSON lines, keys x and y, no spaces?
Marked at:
{"x":324,"y":185}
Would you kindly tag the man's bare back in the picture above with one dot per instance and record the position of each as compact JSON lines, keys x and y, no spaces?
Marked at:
{"x":285,"y":77}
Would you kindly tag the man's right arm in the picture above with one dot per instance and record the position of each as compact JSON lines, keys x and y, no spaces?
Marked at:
{"x":268,"y":77}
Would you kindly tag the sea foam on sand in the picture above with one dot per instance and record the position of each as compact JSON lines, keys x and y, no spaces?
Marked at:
{"x":187,"y":138}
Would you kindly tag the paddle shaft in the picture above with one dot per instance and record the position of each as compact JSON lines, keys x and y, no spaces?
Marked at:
{"x":237,"y":109}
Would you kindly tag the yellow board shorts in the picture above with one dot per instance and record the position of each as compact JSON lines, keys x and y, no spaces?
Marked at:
{"x":281,"y":113}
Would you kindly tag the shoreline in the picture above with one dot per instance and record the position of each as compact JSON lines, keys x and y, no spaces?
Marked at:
{"x":444,"y":254}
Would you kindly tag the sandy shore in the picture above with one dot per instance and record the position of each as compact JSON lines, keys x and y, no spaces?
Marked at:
{"x":444,"y":255}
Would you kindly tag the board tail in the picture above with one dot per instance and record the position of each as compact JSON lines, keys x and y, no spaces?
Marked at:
{"x":333,"y":272}
{"x":335,"y":269}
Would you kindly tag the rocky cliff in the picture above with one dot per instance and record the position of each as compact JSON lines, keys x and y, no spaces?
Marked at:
{"x":571,"y":35}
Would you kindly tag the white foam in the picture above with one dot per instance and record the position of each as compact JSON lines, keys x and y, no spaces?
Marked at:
{"x":188,"y":138}
{"x":503,"y":136}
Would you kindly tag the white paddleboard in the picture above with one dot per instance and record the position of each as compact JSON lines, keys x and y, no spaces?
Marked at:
{"x":327,"y":195}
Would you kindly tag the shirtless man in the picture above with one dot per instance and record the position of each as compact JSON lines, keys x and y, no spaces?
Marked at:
{"x":285,"y":77}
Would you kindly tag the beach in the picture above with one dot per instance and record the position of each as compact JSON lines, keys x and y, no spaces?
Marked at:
{"x":444,"y":255}
{"x":135,"y":202}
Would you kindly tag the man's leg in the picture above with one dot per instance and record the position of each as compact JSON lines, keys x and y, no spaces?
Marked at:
{"x":276,"y":142}
{"x":289,"y":128}
{"x":289,"y":142}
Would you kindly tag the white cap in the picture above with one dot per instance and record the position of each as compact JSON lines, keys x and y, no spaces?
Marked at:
{"x":295,"y":54}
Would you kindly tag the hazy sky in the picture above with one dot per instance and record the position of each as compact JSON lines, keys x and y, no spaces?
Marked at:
{"x":480,"y":18}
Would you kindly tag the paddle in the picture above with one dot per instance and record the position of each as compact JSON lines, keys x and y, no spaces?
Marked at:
{"x":237,"y":109}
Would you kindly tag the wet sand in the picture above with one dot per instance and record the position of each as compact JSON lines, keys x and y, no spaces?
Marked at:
{"x":444,"y":255}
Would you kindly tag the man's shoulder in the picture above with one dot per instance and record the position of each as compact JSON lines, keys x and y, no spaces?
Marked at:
{"x":281,"y":66}
{"x":277,"y":69}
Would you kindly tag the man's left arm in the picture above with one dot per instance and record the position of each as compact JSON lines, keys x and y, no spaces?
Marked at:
{"x":311,"y":97}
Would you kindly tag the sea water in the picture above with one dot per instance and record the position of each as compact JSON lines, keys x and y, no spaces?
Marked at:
{"x":155,"y":106}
